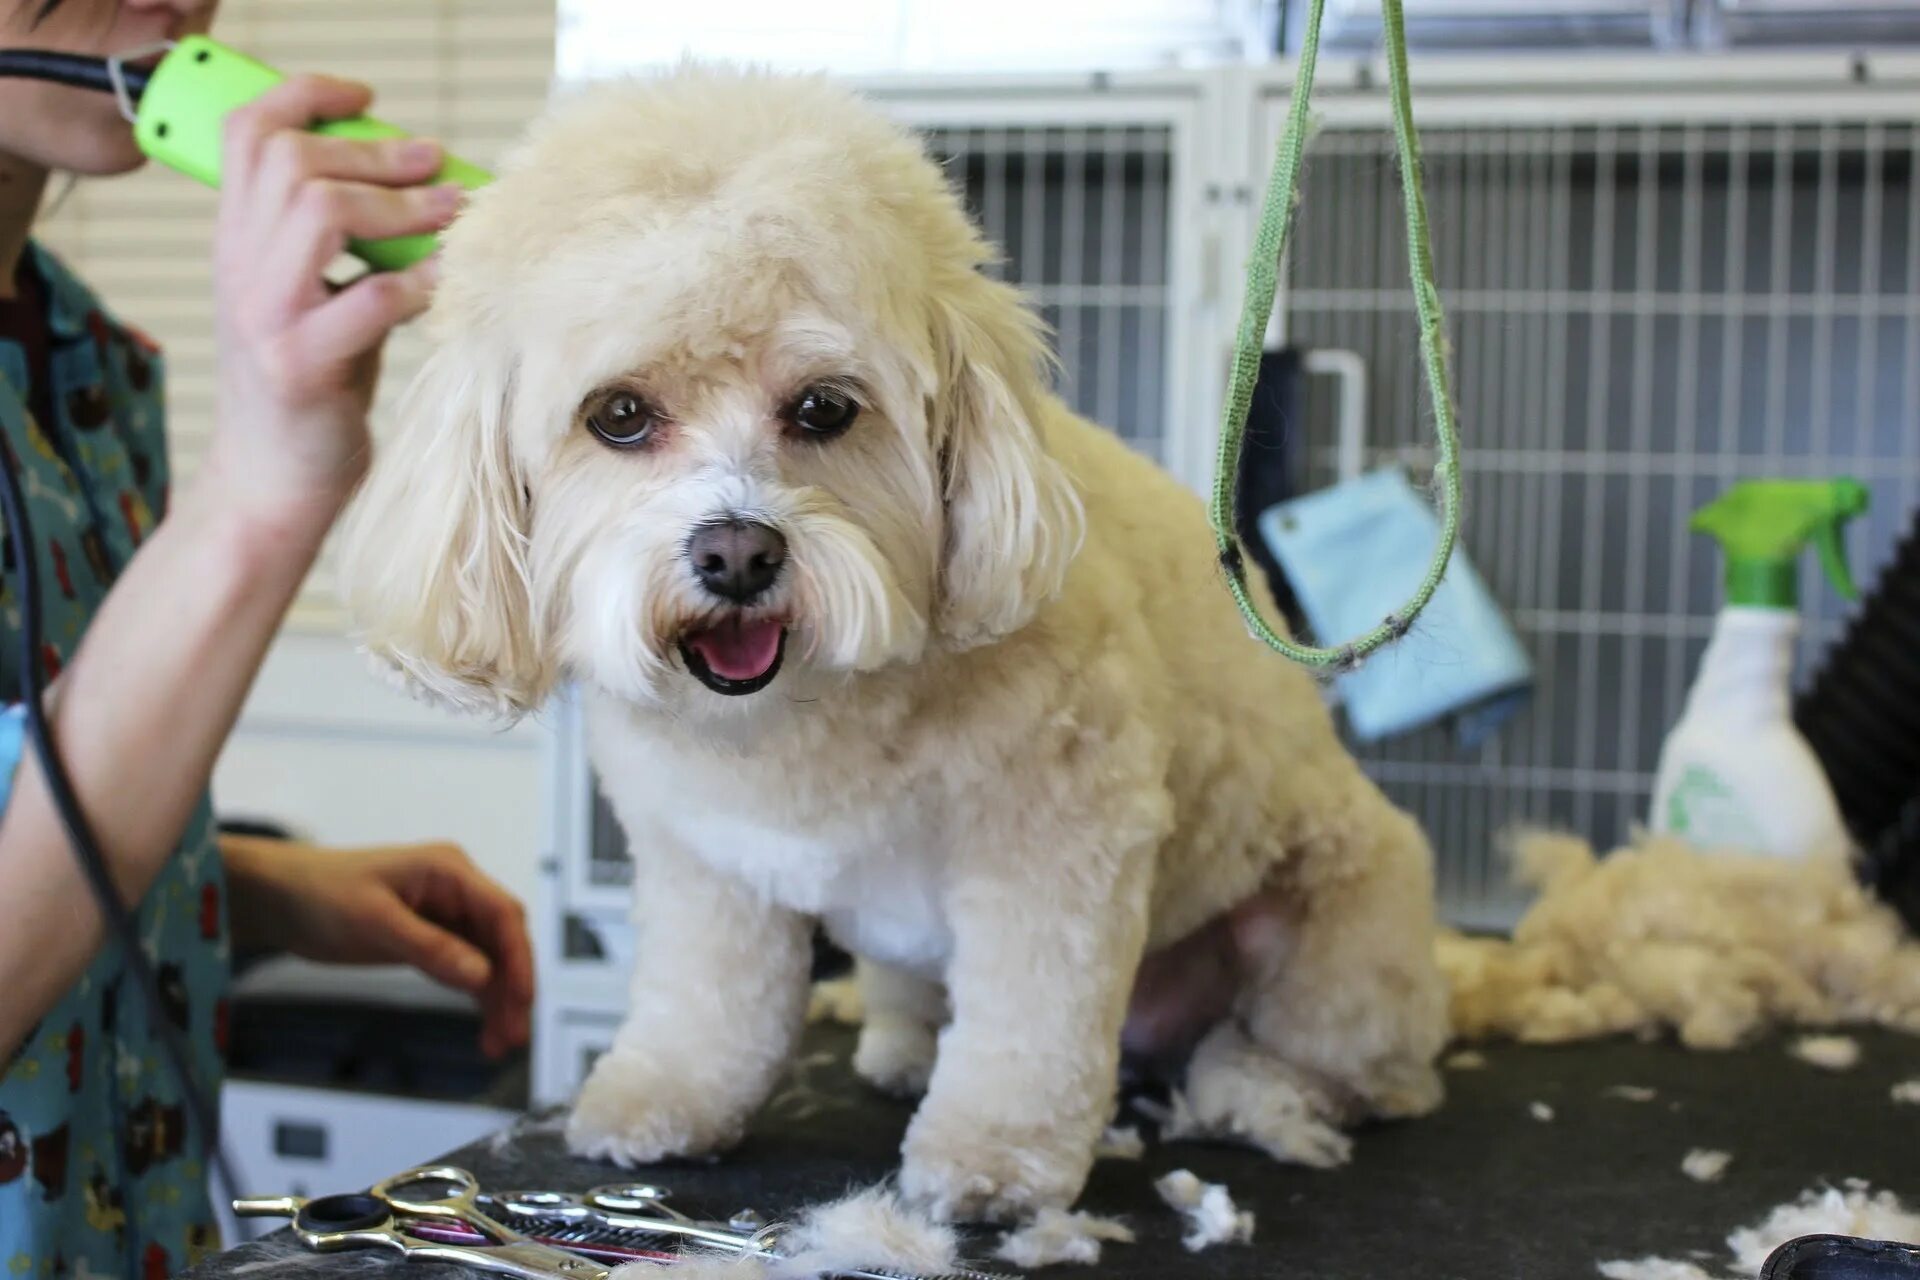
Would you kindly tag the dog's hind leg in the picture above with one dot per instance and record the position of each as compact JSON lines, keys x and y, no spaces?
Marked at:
{"x":1342,"y":1018}
{"x":898,"y":1039}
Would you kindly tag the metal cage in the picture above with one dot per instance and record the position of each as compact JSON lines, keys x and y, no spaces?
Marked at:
{"x":1647,"y":301}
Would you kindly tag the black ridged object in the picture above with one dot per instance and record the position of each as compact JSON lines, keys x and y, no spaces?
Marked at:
{"x":1861,"y":715}
{"x":1842,"y":1258}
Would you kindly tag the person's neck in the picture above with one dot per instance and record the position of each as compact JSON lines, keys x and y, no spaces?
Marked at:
{"x":22,"y":185}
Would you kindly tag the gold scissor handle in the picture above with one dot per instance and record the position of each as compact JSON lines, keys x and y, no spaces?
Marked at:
{"x":456,"y":1204}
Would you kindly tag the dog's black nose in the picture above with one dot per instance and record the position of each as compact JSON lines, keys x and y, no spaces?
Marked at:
{"x":737,"y":560}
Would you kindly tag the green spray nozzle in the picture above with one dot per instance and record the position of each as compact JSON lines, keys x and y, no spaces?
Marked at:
{"x":1763,"y":525}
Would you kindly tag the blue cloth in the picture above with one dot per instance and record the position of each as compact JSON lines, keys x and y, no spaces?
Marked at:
{"x":97,"y":1175}
{"x":1353,"y":554}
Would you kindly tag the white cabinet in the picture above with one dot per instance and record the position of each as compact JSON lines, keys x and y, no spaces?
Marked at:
{"x":291,"y":1140}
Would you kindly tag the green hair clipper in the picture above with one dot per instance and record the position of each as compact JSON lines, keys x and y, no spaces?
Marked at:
{"x":178,"y":118}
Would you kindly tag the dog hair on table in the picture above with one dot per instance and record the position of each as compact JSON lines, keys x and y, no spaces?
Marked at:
{"x":725,"y":421}
{"x":1714,"y":945}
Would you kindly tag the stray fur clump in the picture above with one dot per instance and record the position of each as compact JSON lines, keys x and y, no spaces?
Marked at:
{"x":1057,"y":1236}
{"x":1212,"y":1218}
{"x":1703,"y":1165}
{"x":1829,"y":1053}
{"x":1540,"y":1111}
{"x":1658,"y":936}
{"x":1908,"y":1091}
{"x":1465,"y":1060}
{"x":1120,"y":1142}
{"x":875,"y":1228}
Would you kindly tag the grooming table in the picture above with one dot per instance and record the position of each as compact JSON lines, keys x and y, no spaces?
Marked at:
{"x":1481,"y":1189}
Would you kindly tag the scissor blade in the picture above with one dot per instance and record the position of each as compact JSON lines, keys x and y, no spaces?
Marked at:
{"x":526,"y":1261}
{"x":268,"y":1206}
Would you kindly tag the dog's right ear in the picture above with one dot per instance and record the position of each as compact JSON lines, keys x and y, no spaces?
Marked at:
{"x":434,"y":558}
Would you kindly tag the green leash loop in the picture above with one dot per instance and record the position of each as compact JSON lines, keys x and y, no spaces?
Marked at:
{"x":1269,"y":248}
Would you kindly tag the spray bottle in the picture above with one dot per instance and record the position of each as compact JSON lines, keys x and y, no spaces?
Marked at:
{"x":1735,"y":772}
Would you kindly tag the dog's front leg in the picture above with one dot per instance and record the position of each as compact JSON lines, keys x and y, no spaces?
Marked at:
{"x":718,"y":1002}
{"x":1045,"y":949}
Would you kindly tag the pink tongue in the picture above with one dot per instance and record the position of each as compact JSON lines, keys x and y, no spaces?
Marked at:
{"x":736,"y":650}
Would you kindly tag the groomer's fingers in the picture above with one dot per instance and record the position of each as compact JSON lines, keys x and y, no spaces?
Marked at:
{"x":508,"y":1003}
{"x":292,"y":157}
{"x":294,"y":104}
{"x":358,"y":318}
{"x":443,"y":885}
{"x":446,"y":886}
{"x":439,"y":953}
{"x":325,"y":214}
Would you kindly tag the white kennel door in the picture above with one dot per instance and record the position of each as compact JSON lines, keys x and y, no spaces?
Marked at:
{"x":1642,"y":311}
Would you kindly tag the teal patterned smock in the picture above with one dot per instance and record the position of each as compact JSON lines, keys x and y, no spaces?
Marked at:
{"x":97,"y":1173}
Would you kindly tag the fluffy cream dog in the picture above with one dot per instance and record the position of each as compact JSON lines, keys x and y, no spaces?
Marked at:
{"x":724,"y":422}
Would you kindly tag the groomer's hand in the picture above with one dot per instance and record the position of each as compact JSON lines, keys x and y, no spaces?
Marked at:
{"x":297,"y":358}
{"x":423,"y":905}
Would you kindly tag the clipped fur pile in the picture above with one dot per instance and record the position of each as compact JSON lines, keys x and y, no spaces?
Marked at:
{"x":1657,"y":936}
{"x":1056,"y":1236}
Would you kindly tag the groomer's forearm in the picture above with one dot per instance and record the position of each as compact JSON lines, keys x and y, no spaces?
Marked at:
{"x":140,"y":715}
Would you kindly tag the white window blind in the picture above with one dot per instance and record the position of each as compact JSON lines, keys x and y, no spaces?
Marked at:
{"x":468,"y":72}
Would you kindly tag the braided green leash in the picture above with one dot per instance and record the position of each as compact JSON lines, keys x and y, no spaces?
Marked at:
{"x":1269,"y":247}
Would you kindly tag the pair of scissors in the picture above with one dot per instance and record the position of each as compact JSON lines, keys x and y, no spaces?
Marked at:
{"x":432,"y":1212}
{"x":639,"y":1210}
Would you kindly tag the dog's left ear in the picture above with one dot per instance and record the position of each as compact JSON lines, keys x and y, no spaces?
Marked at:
{"x":1013,"y":516}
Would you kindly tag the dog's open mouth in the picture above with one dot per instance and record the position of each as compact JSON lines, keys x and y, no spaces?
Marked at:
{"x":736,"y":657}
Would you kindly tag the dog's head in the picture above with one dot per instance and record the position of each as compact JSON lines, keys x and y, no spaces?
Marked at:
{"x":717,"y":389}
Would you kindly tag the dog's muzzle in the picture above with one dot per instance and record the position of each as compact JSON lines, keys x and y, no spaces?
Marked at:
{"x":736,"y":561}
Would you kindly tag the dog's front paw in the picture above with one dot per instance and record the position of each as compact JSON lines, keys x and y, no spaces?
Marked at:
{"x":1404,"y":1090}
{"x":631,"y":1112}
{"x":895,"y":1056}
{"x":989,"y":1173}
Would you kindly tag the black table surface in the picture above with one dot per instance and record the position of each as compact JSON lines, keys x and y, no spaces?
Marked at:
{"x":1480,"y":1189}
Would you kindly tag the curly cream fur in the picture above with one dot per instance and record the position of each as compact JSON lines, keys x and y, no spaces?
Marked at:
{"x":1021,"y":737}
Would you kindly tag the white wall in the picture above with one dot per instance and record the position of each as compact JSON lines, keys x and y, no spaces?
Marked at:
{"x":329,"y":748}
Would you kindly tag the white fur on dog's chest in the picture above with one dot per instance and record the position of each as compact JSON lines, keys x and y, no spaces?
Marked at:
{"x":874,"y":889}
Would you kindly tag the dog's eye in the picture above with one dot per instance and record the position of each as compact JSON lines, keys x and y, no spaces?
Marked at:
{"x":824,"y":412}
{"x":621,"y":419}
